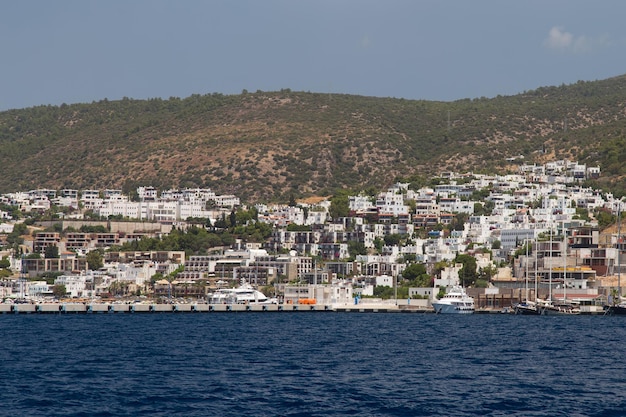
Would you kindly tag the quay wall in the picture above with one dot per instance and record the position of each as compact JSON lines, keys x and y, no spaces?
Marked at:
{"x":141,"y":308}
{"x":122,"y":308}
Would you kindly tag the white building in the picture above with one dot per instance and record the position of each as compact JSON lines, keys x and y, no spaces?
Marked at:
{"x":449,"y":276}
{"x":392,"y":202}
{"x":74,"y":284}
{"x":38,"y":289}
{"x":360,"y":203}
{"x":384,"y":281}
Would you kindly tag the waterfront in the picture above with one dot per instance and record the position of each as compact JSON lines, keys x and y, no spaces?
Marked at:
{"x":312,"y":365}
{"x":140,"y":308}
{"x":379,"y":306}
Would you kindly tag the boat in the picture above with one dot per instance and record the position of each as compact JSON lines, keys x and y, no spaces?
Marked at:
{"x":455,"y":301}
{"x":244,"y":294}
{"x":618,"y":306}
{"x":551,"y":308}
{"x":546,"y":308}
{"x":527,"y":308}
{"x":615,"y":310}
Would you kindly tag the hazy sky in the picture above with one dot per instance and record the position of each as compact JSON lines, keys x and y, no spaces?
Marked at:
{"x":68,"y":51}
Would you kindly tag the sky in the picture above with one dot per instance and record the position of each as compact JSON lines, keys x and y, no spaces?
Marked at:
{"x":79,"y":51}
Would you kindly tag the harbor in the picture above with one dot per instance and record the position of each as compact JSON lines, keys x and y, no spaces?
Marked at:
{"x":144,"y":308}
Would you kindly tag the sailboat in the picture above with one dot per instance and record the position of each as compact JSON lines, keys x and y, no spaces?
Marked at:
{"x":545,"y":307}
{"x":549,"y":307}
{"x":527,"y":307}
{"x":619,"y":307}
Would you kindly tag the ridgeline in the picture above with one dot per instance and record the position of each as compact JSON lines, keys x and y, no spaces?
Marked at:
{"x":273,"y":146}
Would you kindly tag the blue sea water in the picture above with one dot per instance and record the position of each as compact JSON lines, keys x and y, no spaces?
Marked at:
{"x":311,"y":364}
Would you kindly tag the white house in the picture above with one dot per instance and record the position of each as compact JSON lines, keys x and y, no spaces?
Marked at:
{"x":74,"y":284}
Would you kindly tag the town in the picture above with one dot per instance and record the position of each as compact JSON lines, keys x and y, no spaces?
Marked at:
{"x":537,"y":233}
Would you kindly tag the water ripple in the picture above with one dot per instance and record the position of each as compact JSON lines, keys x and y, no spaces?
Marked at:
{"x":311,"y":365}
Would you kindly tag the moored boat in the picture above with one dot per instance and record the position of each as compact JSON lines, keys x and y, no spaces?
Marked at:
{"x":546,"y":308}
{"x":244,"y":294}
{"x":615,"y":310}
{"x":455,"y":301}
{"x":549,"y":308}
{"x":527,"y":308}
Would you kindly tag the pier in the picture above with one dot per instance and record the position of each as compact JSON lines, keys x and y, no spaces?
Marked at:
{"x":144,"y":308}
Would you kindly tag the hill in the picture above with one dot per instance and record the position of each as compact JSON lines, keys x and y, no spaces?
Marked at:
{"x":268,"y":146}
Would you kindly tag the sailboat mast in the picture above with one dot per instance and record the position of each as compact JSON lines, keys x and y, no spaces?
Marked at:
{"x":619,"y":266}
{"x":550,"y":270}
{"x":564,"y":260}
{"x":536,"y":271}
{"x":526,"y":260}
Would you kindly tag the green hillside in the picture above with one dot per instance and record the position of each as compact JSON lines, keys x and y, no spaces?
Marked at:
{"x":268,"y":146}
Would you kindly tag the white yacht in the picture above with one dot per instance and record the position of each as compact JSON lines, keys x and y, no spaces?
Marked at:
{"x":455,"y":301}
{"x":244,"y":294}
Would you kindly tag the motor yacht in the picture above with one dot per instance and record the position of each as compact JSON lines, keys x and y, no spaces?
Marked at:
{"x":455,"y":301}
{"x":244,"y":294}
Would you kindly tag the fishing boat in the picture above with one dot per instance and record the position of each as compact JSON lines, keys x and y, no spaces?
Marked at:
{"x":455,"y":301}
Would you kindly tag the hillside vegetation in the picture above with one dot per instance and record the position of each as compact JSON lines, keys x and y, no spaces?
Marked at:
{"x":270,"y":146}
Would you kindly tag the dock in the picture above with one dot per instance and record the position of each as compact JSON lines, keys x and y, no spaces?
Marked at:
{"x":189,"y":308}
{"x":144,"y":308}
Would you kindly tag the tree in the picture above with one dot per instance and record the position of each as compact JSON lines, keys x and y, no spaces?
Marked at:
{"x":94,"y":260}
{"x":156,"y":277}
{"x":409,"y":257}
{"x":51,"y":252}
{"x":339,"y":205}
{"x":378,"y":244}
{"x":413,"y":271}
{"x":442,"y":292}
{"x":458,"y":222}
{"x":440,"y":266}
{"x":356,"y":248}
{"x":233,"y":218}
{"x":605,"y":218}
{"x":392,"y":239}
{"x":483,"y":209}
{"x":383,"y":291}
{"x":487,"y":272}
{"x":467,"y":274}
{"x":5,"y":263}
{"x":59,"y":291}
{"x":221,"y":222}
{"x":417,"y":276}
{"x":15,"y":237}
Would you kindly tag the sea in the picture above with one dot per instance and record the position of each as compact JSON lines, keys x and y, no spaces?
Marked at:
{"x":311,"y":364}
